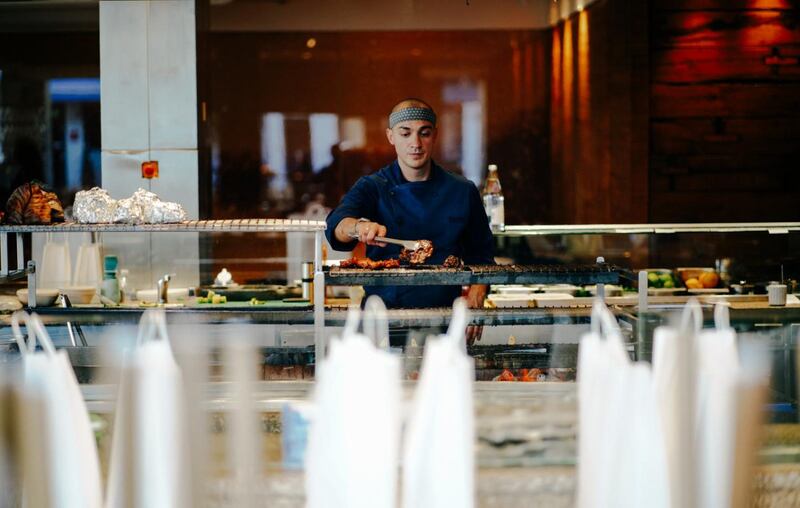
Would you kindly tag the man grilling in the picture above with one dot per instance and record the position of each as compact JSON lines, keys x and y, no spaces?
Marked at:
{"x":414,"y":198}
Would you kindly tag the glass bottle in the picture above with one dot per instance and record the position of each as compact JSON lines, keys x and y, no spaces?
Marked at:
{"x":493,"y":200}
{"x":110,"y":285}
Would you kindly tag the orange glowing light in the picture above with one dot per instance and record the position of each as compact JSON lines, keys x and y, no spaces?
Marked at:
{"x":583,"y":65}
{"x":568,"y":72}
{"x":555,"y":85}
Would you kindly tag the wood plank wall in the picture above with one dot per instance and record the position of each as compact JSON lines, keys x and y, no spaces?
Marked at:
{"x":599,"y":112}
{"x":725,"y":110}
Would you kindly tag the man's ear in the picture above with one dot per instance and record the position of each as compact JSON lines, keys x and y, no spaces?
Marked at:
{"x":390,"y":136}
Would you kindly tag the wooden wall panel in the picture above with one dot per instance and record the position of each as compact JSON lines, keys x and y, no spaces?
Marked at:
{"x":750,"y":100}
{"x":722,"y":5}
{"x":725,"y":110}
{"x":598,"y":120}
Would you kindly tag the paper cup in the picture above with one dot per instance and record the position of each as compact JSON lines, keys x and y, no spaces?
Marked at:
{"x":777,"y":294}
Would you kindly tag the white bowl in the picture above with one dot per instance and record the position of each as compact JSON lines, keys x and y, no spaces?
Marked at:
{"x":44,"y":297}
{"x":80,"y":295}
{"x":173,"y":295}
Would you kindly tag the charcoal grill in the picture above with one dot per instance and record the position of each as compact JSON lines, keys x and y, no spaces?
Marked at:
{"x":600,"y":273}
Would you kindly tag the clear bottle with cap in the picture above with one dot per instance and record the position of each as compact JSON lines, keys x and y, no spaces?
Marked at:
{"x":493,"y":200}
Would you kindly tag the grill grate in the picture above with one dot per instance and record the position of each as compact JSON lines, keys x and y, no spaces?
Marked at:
{"x":477,"y":274}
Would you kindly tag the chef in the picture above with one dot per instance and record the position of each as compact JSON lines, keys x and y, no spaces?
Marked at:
{"x":413,"y":198}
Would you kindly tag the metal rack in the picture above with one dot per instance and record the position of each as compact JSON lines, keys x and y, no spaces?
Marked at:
{"x":193,"y":226}
{"x":190,"y":226}
{"x":399,"y":318}
{"x":666,"y":228}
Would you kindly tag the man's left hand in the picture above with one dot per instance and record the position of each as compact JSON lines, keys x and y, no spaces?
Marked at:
{"x":475,"y":296}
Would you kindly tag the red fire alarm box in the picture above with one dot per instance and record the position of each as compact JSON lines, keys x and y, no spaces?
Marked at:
{"x":150,"y":169}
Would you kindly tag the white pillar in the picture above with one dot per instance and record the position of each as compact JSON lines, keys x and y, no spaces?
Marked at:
{"x":148,"y":107}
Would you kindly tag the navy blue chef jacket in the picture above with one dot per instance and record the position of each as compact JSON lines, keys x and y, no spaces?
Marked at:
{"x":445,"y":209}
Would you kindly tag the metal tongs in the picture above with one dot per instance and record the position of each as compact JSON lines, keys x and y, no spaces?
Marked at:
{"x":406,"y":244}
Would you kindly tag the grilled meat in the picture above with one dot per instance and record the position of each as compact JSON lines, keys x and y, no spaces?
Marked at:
{"x":33,"y":203}
{"x":453,"y":262}
{"x":418,"y":256}
{"x":368,"y":264}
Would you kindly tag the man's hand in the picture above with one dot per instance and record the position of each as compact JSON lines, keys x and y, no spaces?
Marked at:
{"x":364,"y":231}
{"x":367,"y":231}
{"x":475,"y":296}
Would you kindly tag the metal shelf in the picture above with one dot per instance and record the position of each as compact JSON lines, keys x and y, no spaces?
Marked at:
{"x":490,"y":274}
{"x":399,"y":318}
{"x":713,"y":227}
{"x":192,"y":226}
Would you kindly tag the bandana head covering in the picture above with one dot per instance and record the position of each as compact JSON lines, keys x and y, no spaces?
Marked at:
{"x":412,"y":113}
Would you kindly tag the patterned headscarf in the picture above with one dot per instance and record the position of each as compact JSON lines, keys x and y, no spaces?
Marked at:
{"x":412,"y":113}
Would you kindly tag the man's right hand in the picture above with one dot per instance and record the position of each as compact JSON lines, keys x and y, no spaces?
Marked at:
{"x":367,"y":231}
{"x":364,"y":231}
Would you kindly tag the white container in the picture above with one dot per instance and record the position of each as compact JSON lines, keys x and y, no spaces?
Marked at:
{"x":777,"y":294}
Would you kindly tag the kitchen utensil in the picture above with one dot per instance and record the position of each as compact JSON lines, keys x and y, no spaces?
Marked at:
{"x":406,"y":244}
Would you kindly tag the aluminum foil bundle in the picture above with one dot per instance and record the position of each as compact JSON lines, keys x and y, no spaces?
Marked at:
{"x":165,"y":212}
{"x":155,"y":211}
{"x":94,"y":206}
{"x":128,"y":212}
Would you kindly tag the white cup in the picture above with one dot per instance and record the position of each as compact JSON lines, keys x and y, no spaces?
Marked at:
{"x":56,"y":267}
{"x":776,"y":294}
{"x":88,"y":267}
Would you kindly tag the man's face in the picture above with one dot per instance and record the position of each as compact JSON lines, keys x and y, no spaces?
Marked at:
{"x":413,"y":141}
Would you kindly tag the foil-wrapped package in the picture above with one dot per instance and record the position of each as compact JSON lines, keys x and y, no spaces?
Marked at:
{"x":143,"y":207}
{"x":94,"y":206}
{"x":165,"y":212}
{"x":128,"y":212}
{"x":155,"y":211}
